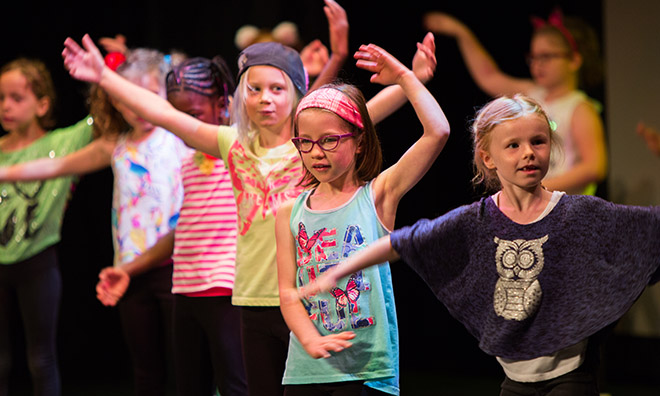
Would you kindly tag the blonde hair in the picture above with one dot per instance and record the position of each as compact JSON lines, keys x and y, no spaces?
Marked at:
{"x":39,"y":82}
{"x":247,"y":131}
{"x":495,"y":113}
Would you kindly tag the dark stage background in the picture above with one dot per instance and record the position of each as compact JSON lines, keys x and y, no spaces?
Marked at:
{"x":91,"y":346}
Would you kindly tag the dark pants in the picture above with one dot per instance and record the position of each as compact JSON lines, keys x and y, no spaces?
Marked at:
{"x":207,"y":345}
{"x":146,"y":316}
{"x":351,"y":388}
{"x":34,"y":286}
{"x":265,"y":340}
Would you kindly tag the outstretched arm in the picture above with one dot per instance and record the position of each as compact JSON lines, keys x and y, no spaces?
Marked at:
{"x":293,"y":311}
{"x":376,"y":253}
{"x":394,"y":182}
{"x":94,"y":156}
{"x":338,"y":24}
{"x":483,"y":69}
{"x":391,"y":98}
{"x":87,"y":64}
{"x":113,"y":281}
{"x":589,"y":137}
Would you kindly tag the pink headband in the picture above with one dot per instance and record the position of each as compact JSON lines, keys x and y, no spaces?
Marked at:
{"x":332,"y":100}
{"x":556,"y":20}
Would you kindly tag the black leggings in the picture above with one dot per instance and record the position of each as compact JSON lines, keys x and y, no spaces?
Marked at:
{"x":207,"y":345}
{"x":146,"y":318}
{"x":350,"y":388}
{"x":34,"y":286}
{"x":265,"y":340}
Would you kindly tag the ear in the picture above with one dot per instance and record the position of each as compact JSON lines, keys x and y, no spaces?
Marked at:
{"x":360,"y":143}
{"x":487,"y":159}
{"x":576,"y":61}
{"x":43,"y":105}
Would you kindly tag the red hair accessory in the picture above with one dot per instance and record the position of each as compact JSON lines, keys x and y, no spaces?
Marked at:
{"x":556,"y":20}
{"x":332,"y":100}
{"x":114,"y":59}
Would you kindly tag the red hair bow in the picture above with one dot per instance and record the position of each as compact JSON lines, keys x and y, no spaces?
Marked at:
{"x":556,"y":20}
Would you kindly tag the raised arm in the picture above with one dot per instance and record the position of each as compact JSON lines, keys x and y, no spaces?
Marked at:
{"x":87,"y":64}
{"x":589,"y":137}
{"x":338,"y":25}
{"x":483,"y":69}
{"x":96,"y":155}
{"x":293,"y":311}
{"x":391,"y":98}
{"x":378,"y":252}
{"x":394,"y":182}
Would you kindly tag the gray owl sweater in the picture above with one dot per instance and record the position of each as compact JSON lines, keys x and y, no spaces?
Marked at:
{"x":530,"y":290}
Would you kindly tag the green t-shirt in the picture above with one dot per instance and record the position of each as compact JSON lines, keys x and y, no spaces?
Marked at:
{"x":31,"y":212}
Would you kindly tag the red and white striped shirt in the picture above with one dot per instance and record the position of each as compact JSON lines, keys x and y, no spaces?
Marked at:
{"x":205,"y":235}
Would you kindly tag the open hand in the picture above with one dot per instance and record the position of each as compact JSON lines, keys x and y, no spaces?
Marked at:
{"x":386,"y":68}
{"x":424,"y":61}
{"x":321,"y":346}
{"x":338,"y":24}
{"x":84,"y":64}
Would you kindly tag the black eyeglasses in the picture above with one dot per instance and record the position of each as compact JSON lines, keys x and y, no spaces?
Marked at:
{"x":326,"y":143}
{"x":546,"y":57}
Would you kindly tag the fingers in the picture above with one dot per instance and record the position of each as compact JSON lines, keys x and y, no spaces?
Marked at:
{"x":429,"y":41}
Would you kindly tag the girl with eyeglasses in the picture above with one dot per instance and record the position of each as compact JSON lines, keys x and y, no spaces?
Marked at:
{"x":564,"y":58}
{"x":345,"y":342}
{"x":264,"y":165}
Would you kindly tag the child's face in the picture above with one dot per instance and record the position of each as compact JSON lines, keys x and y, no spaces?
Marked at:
{"x":519,"y":151}
{"x":551,"y":62}
{"x":19,"y":107}
{"x":268,"y":100}
{"x":211,"y":110}
{"x":337,"y":165}
{"x":150,"y":82}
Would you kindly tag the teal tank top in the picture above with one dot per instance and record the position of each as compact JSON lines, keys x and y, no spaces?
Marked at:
{"x":362,"y":303}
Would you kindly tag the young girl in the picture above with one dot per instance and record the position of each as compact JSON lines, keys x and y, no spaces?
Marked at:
{"x":265,"y":168}
{"x":534,"y":275}
{"x":30,"y":219}
{"x":147,"y":194}
{"x":563,"y":58}
{"x":351,"y":205}
{"x":203,"y":247}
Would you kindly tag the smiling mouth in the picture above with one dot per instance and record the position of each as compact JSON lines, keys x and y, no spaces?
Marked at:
{"x":529,"y":168}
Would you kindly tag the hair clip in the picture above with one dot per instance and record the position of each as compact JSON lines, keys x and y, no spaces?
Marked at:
{"x":114,"y":59}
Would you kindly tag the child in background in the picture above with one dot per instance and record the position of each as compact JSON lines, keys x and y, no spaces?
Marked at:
{"x":351,"y":204}
{"x":147,"y":194}
{"x":265,"y":168}
{"x":563,"y":58}
{"x":206,"y":328}
{"x":534,"y":275}
{"x":31,"y":216}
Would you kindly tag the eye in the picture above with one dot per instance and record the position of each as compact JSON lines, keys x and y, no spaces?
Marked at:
{"x":329,"y":140}
{"x":512,"y":145}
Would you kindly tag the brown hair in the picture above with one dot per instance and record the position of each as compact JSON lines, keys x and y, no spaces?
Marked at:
{"x":492,"y":114}
{"x":40,"y":83}
{"x":369,"y":159}
{"x":139,"y":62}
{"x":586,"y":40}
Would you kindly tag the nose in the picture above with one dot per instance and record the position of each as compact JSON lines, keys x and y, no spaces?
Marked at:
{"x":528,"y":151}
{"x":266,"y":96}
{"x":316,"y":151}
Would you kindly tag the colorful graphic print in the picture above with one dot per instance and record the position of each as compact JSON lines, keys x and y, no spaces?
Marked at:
{"x":343,"y":306}
{"x":261,"y":186}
